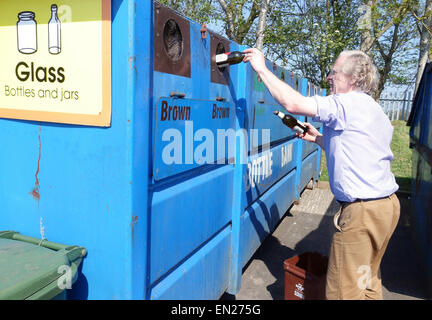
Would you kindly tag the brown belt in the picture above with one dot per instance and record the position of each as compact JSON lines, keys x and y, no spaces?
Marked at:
{"x":364,"y":200}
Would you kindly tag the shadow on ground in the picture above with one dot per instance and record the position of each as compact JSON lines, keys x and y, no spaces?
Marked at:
{"x":401,"y":272}
{"x":298,"y":232}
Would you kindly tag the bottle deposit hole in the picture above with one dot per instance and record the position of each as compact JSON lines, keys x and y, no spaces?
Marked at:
{"x":173,"y":40}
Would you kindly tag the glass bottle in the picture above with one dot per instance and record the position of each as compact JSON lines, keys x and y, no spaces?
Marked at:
{"x":26,"y":32}
{"x":291,"y":122}
{"x":54,"y":28}
{"x":227,"y":58}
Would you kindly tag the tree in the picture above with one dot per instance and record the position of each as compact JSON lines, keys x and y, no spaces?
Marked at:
{"x":386,"y":34}
{"x":373,"y":23}
{"x":260,"y":34}
{"x":237,"y":26}
{"x":307,"y":36}
{"x":239,"y":17}
{"x":424,"y":29}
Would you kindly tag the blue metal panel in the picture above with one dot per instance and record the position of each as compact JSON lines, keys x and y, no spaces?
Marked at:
{"x":190,"y":228}
{"x":190,"y":133}
{"x":191,"y":210}
{"x":302,"y":86}
{"x":254,"y":95}
{"x":427,"y":117}
{"x":202,"y":276}
{"x":238,"y":200}
{"x":308,"y":148}
{"x":420,"y":132}
{"x":260,"y":219}
{"x":421,"y":214}
{"x":267,"y":167}
{"x":264,"y":119}
{"x":309,"y":169}
{"x":141,"y":147}
{"x":235,"y":271}
{"x":76,"y":182}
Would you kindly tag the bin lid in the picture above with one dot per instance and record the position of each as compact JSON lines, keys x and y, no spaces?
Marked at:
{"x":27,"y":268}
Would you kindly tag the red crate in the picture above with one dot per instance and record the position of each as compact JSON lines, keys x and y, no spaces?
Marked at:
{"x":305,"y":276}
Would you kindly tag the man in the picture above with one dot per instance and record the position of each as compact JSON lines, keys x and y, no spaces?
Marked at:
{"x":356,"y":139}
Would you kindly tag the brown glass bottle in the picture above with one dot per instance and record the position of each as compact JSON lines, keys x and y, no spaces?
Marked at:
{"x":227,"y":58}
{"x":291,"y":122}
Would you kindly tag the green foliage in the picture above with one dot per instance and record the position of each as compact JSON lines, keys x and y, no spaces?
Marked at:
{"x":308,"y":36}
{"x":243,"y":14}
{"x":324,"y":171}
{"x":204,"y":11}
{"x":395,"y":51}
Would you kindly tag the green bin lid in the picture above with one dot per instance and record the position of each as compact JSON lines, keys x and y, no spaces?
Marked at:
{"x":31,"y":267}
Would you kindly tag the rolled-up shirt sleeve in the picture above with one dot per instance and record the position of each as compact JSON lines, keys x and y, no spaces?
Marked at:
{"x":330,"y":111}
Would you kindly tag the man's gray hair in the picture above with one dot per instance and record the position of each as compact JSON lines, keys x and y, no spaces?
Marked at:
{"x":360,"y":67}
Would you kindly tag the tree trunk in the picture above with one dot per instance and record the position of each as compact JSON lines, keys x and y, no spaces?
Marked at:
{"x":383,"y":75}
{"x":366,"y":23}
{"x":262,"y":24}
{"x":365,"y":26}
{"x":425,"y":39}
{"x":387,"y":58}
{"x":230,"y":30}
{"x":236,"y":27}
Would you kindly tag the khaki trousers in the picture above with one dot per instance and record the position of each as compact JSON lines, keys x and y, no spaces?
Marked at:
{"x":363,"y":231}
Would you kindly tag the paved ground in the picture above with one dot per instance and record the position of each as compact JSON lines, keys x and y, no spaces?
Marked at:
{"x":308,"y":226}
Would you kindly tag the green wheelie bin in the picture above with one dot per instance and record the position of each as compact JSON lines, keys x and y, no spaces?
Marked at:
{"x":36,"y":269}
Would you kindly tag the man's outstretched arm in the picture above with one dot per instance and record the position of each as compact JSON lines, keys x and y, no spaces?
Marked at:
{"x":286,"y":96}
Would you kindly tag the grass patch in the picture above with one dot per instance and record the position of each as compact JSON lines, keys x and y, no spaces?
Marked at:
{"x":401,"y":165}
{"x":324,"y":173}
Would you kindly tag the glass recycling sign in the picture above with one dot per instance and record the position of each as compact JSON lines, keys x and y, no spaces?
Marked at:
{"x":55,"y":61}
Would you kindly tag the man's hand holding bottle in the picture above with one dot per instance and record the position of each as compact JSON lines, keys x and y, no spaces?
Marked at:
{"x":311,"y":135}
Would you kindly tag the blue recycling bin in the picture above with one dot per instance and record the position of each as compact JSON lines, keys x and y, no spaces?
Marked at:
{"x":178,"y":177}
{"x":421,"y":192}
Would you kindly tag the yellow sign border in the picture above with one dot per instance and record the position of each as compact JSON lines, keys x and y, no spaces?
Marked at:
{"x":103,"y":119}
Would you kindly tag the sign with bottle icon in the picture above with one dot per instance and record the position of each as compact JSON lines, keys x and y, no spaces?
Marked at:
{"x":55,"y":61}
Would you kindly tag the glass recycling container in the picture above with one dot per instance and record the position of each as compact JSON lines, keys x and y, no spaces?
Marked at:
{"x":130,"y":141}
